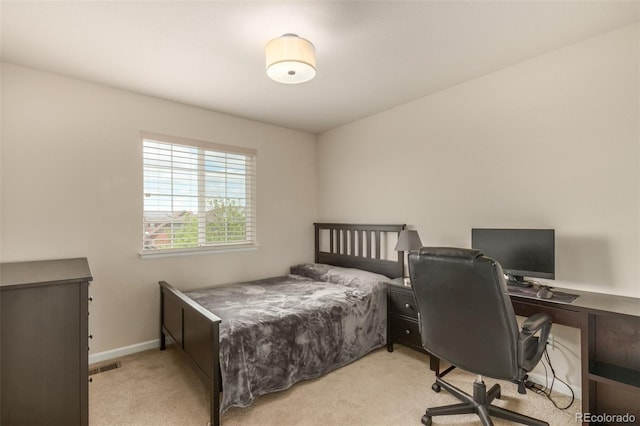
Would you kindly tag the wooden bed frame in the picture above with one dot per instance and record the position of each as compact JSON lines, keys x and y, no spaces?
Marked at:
{"x":195,"y":330}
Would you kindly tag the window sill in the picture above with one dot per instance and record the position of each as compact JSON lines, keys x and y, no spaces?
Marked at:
{"x":153,"y":254}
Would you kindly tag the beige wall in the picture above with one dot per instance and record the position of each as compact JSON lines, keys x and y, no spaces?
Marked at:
{"x":71,"y":177}
{"x":551,"y":142}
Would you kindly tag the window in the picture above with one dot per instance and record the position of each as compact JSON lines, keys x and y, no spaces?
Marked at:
{"x":197,"y":195}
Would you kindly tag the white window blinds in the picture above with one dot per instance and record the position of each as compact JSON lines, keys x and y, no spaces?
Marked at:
{"x":197,"y":195}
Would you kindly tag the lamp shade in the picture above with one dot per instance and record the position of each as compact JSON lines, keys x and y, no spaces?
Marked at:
{"x":408,"y":240}
{"x":290,"y":59}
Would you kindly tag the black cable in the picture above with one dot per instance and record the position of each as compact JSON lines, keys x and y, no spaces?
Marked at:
{"x":546,"y":389}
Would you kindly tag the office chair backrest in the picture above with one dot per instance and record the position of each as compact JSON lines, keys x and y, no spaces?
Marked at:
{"x":466,"y":316}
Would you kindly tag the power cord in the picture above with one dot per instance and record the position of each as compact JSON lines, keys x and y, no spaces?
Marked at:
{"x":546,"y":389}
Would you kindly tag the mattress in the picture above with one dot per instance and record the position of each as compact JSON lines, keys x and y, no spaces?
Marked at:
{"x":281,"y":330}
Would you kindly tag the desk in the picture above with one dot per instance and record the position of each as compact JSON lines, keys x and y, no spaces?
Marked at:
{"x":609,"y":346}
{"x":609,"y":341}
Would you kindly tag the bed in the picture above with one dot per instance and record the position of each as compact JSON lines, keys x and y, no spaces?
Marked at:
{"x":265,"y":335}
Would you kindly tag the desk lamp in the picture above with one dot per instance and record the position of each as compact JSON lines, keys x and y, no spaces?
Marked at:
{"x":408,"y":241}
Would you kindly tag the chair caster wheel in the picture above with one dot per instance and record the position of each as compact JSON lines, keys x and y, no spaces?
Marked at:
{"x":426,"y":421}
{"x":436,"y":387}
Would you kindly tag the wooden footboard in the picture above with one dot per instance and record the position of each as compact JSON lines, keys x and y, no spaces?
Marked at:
{"x":196,"y":332}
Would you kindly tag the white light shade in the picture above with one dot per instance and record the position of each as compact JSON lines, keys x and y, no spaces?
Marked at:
{"x":290,"y":59}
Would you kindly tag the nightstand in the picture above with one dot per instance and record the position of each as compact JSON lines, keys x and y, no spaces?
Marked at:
{"x":402,"y":316}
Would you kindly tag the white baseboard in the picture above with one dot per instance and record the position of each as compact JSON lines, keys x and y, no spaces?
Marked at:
{"x":126,"y":350}
{"x":557,"y":386}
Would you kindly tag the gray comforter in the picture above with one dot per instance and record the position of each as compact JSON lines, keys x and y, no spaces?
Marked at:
{"x":278,"y":331}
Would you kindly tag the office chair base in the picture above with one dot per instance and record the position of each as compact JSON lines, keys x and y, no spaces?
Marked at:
{"x":479,"y":403}
{"x":436,"y":387}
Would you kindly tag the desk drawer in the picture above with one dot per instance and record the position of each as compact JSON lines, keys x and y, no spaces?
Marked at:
{"x":403,"y":303}
{"x":561,"y":315}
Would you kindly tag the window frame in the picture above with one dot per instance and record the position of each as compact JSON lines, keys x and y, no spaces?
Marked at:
{"x":250,"y":223}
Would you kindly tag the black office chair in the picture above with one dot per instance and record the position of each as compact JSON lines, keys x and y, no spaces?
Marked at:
{"x":466,"y":318}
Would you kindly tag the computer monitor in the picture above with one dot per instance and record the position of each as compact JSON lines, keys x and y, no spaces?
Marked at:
{"x":520,"y":252}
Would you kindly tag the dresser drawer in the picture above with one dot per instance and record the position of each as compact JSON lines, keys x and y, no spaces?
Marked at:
{"x":405,"y":331}
{"x":403,"y":303}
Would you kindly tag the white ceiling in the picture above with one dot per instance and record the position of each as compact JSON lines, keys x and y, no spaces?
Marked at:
{"x":371,"y":56}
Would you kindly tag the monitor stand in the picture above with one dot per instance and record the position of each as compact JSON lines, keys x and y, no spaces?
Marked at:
{"x":517,"y":281}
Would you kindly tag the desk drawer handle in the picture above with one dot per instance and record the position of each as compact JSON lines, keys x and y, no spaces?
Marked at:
{"x":408,"y":306}
{"x":407,"y":332}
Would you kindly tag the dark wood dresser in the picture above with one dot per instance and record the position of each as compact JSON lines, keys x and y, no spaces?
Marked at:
{"x":44,"y":342}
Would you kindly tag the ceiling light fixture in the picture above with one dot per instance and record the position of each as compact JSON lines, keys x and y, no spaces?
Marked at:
{"x":290,"y":59}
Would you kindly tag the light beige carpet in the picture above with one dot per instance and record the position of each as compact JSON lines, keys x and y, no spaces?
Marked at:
{"x":160,"y":388}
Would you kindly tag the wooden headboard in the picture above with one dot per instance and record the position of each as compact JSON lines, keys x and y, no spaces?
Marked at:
{"x":367,"y":247}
